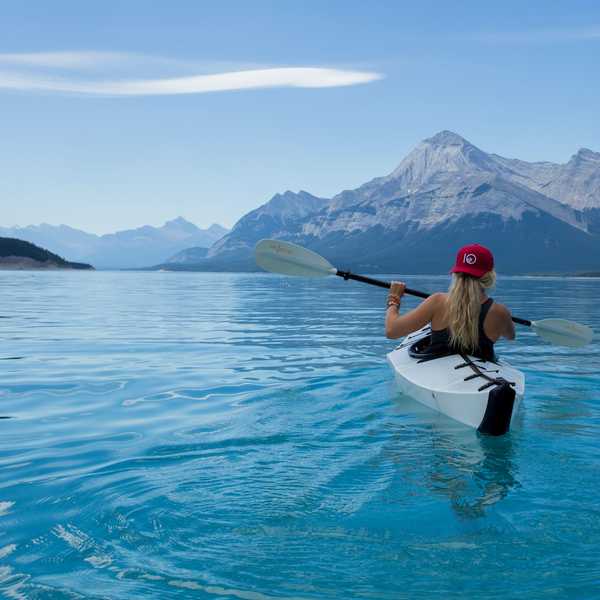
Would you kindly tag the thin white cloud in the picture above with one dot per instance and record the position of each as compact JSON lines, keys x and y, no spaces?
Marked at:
{"x":94,"y":60}
{"x":29,"y":72}
{"x":65,"y":60}
{"x":539,"y":36}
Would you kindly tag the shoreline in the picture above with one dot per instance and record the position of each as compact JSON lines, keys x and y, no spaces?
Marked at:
{"x":87,"y":268}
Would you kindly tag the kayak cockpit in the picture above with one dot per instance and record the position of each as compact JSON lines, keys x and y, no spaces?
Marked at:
{"x":482,"y":394}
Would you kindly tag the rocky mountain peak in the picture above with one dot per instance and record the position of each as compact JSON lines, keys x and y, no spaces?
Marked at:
{"x":291,"y":204}
{"x":586,"y":155}
{"x":180,"y":223}
{"x":289,"y":196}
{"x":441,"y":155}
{"x":447,"y":138}
{"x":217,"y":229}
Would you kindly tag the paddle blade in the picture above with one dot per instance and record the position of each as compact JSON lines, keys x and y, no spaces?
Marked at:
{"x":286,"y":258}
{"x":563,"y":332}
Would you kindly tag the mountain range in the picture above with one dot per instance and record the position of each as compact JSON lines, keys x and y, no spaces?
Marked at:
{"x":133,"y":248}
{"x":535,"y":216}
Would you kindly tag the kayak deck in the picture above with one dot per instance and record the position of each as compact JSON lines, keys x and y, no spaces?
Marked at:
{"x":452,"y":385}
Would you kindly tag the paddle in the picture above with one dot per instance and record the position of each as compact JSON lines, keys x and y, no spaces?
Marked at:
{"x":290,"y":259}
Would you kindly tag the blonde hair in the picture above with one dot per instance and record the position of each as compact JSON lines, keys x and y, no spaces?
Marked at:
{"x":464,"y":307}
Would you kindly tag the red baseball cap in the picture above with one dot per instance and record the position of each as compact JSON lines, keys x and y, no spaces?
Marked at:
{"x":474,"y":260}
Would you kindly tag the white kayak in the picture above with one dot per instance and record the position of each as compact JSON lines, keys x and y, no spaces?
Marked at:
{"x":482,"y":394}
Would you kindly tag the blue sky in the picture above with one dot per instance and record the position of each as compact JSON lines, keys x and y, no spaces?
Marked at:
{"x":85,"y":143}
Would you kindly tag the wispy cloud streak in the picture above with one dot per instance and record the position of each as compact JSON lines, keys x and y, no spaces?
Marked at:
{"x":539,"y":36}
{"x":66,"y":60}
{"x":29,"y":72}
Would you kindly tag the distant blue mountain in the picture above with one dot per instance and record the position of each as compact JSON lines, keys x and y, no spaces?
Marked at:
{"x":536,"y":217}
{"x":132,"y":248}
{"x":188,"y":256}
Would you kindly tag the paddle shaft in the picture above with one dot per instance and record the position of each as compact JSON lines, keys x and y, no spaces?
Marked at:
{"x":386,"y":284}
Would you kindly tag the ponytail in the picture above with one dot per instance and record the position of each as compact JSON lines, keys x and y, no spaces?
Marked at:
{"x":464,"y":307}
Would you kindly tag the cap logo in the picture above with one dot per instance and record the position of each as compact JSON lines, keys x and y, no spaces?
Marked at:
{"x":470,"y":259}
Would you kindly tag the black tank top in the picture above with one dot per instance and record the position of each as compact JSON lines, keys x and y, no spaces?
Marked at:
{"x":440,"y":339}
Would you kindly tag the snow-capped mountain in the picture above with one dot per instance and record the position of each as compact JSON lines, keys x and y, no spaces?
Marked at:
{"x":443,"y":179}
{"x":445,"y":193}
{"x":535,"y":216}
{"x":132,"y":248}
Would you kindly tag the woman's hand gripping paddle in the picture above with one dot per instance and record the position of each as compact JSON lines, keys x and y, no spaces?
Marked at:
{"x":286,"y":258}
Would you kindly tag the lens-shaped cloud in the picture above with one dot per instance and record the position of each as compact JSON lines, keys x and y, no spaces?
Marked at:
{"x":29,"y":72}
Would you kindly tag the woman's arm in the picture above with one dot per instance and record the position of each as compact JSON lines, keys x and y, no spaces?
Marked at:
{"x":499,"y":323}
{"x":509,"y":326}
{"x":397,"y":325}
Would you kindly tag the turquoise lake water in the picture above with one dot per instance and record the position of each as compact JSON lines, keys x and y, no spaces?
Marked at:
{"x":177,"y":435}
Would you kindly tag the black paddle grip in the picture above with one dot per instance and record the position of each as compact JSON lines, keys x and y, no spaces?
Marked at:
{"x":386,"y":284}
{"x":378,"y":282}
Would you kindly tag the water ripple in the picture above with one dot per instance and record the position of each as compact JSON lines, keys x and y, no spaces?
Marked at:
{"x":179,"y":435}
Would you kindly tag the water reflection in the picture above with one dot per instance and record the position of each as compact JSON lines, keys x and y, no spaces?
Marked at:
{"x":473,"y":471}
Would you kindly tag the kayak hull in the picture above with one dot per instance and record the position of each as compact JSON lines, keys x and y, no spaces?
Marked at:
{"x":452,"y":387}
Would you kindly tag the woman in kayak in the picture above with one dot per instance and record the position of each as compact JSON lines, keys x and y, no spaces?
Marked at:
{"x":462,"y":320}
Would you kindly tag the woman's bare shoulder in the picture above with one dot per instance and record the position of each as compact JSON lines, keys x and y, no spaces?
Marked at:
{"x":438,"y":304}
{"x":500,"y":310}
{"x":501,"y":321}
{"x":438,"y":297}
